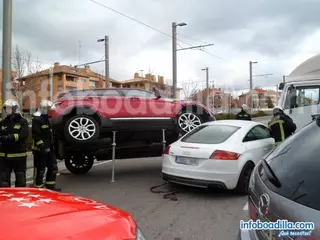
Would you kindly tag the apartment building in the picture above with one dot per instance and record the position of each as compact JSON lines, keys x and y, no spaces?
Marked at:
{"x":262,"y":98}
{"x":65,"y":78}
{"x":217,"y":99}
{"x":13,"y":75}
{"x":148,"y":82}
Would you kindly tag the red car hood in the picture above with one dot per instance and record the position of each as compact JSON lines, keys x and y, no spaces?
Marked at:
{"x":29,"y":213}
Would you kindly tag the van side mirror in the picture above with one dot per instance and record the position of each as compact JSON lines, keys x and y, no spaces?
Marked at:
{"x":281,"y":86}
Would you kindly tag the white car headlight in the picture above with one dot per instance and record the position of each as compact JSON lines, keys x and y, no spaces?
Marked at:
{"x":139,"y":235}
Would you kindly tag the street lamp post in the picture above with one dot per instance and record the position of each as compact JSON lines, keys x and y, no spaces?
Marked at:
{"x":106,"y":44}
{"x":6,"y":49}
{"x":207,"y":84}
{"x":251,"y":85}
{"x":174,"y":56}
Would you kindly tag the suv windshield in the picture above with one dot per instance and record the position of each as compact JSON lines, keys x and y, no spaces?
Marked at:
{"x":210,"y":134}
{"x":296,"y":165}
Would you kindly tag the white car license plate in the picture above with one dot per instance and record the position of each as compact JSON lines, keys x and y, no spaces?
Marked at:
{"x":187,"y":161}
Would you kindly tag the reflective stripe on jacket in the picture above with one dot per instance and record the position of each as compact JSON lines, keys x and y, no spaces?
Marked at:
{"x":41,"y":132}
{"x":19,"y":130}
{"x":277,"y":129}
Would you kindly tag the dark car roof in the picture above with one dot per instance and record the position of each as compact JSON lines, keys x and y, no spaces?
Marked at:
{"x":290,"y":177}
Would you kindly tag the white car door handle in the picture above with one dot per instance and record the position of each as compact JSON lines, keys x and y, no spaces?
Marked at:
{"x":266,"y":149}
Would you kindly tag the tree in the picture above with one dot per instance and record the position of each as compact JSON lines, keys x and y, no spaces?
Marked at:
{"x":189,"y":89}
{"x":269,"y":102}
{"x":24,"y":65}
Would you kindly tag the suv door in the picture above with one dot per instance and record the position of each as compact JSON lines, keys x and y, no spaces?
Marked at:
{"x":111,"y":105}
{"x":258,"y":142}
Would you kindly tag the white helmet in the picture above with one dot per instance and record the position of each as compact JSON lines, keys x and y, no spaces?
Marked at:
{"x":10,"y":107}
{"x":244,"y":107}
{"x":45,"y":105}
{"x":277,"y":109}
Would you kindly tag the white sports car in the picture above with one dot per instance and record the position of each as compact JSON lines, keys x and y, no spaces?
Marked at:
{"x":219,"y":153}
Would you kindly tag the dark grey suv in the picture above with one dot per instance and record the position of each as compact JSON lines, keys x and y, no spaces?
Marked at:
{"x":284,"y":185}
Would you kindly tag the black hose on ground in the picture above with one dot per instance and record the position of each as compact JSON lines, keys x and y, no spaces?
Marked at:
{"x":169,"y":194}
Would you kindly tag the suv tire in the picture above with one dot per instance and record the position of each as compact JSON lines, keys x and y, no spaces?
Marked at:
{"x":81,"y":129}
{"x":79,"y":163}
{"x":187,"y":121}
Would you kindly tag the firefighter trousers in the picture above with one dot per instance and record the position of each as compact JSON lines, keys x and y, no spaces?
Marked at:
{"x":44,"y":161}
{"x":16,"y":165}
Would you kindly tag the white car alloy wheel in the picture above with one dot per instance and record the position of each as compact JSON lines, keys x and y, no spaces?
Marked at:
{"x":188,"y":121}
{"x":82,"y":128}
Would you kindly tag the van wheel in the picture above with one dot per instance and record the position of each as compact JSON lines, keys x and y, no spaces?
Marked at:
{"x":81,"y":129}
{"x":79,"y":163}
{"x":243,"y":182}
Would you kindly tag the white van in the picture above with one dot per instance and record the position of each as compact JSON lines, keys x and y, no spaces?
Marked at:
{"x":301,"y":92}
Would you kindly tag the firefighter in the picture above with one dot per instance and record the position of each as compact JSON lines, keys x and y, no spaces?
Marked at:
{"x":243,"y":115}
{"x":43,"y":148}
{"x":13,"y":148}
{"x":281,"y":125}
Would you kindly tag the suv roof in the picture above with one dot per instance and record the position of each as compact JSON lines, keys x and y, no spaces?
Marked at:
{"x":74,"y":93}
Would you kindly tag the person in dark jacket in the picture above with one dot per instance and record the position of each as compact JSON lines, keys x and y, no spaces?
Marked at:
{"x":243,"y":114}
{"x":13,"y":149}
{"x":281,"y":125}
{"x":43,"y":148}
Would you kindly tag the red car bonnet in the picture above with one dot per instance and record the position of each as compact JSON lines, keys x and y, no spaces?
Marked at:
{"x":29,"y":213}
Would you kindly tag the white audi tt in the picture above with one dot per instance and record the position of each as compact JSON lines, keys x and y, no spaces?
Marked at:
{"x":219,"y":153}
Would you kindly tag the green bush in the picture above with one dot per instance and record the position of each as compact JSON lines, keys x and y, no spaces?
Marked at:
{"x":226,"y":116}
{"x":260,"y":114}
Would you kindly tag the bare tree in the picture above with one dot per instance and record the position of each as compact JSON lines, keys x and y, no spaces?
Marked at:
{"x":24,"y":65}
{"x":189,"y":89}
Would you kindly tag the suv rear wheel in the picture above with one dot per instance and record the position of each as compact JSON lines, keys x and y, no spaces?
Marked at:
{"x":81,"y":129}
{"x":187,"y":121}
{"x":79,"y":163}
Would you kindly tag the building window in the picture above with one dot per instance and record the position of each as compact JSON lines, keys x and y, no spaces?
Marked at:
{"x":60,"y":88}
{"x":84,"y":80}
{"x":70,"y":88}
{"x":92,"y":84}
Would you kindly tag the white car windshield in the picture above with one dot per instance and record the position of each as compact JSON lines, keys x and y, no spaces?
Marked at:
{"x":210,"y":134}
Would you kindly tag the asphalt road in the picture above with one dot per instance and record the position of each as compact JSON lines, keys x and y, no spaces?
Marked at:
{"x":197,"y":214}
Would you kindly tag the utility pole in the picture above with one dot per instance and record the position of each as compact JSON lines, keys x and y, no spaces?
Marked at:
{"x":251,"y":86}
{"x":6,"y":49}
{"x":106,"y":48}
{"x":106,"y":42}
{"x":207,"y":85}
{"x":51,"y":83}
{"x":174,"y":60}
{"x":174,"y":54}
{"x":213,"y":96}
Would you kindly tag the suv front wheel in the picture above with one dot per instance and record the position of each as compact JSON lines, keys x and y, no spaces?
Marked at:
{"x":81,"y":129}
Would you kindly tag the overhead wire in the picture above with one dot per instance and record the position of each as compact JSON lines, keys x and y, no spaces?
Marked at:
{"x":169,"y":35}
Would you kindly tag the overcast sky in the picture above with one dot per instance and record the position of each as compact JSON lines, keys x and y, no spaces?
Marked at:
{"x":279,"y":34}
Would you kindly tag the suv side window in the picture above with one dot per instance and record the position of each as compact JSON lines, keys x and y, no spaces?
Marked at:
{"x":296,"y":165}
{"x":138,"y":93}
{"x":108,"y":93}
{"x":257,"y":133}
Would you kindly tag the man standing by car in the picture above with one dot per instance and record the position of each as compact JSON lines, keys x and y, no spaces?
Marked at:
{"x":13,"y":149}
{"x":281,"y":125}
{"x":243,"y":115}
{"x":43,"y":148}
